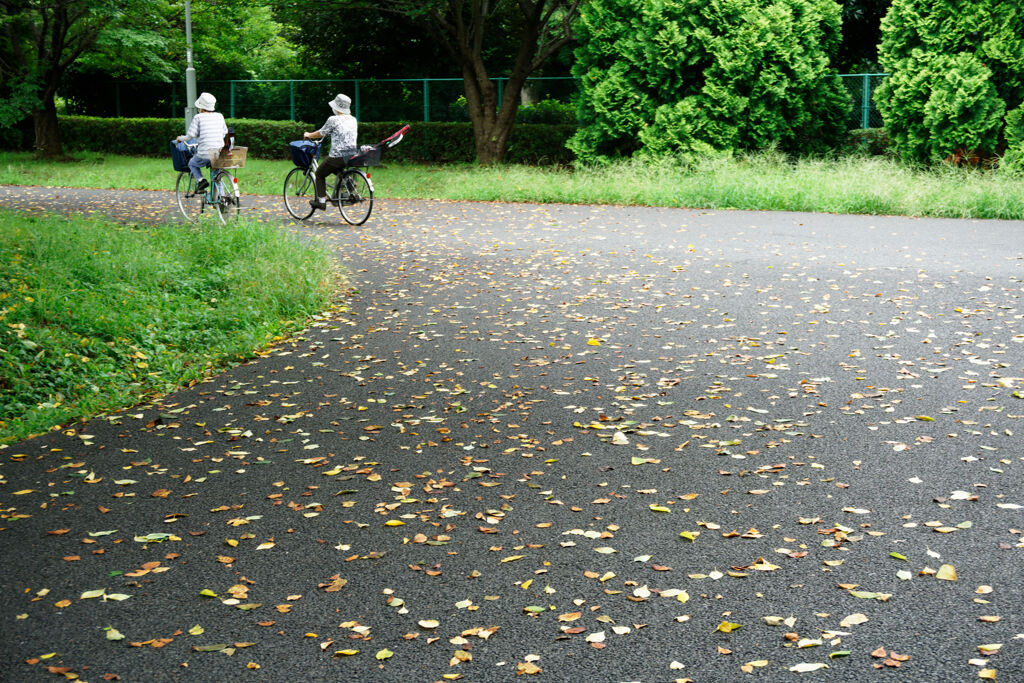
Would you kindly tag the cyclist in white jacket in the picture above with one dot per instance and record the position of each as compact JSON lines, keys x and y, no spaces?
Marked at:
{"x":210,"y":128}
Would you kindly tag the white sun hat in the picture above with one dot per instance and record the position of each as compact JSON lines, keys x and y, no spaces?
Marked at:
{"x":341,"y":104}
{"x":206,"y":101}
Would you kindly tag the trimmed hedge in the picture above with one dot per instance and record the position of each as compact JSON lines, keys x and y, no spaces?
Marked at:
{"x":530,"y":143}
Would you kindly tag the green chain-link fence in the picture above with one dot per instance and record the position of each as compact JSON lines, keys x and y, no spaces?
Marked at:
{"x":861,"y":87}
{"x":420,"y":99}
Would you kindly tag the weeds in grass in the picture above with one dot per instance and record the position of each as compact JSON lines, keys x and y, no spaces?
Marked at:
{"x":96,"y":315}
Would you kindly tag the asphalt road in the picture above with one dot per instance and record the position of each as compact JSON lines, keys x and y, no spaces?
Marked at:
{"x":564,"y":443}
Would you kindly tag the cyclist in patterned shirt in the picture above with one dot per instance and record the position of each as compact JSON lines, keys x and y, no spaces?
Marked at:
{"x":210,"y":128}
{"x":342,"y":128}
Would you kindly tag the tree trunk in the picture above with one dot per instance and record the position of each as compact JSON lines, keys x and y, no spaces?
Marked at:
{"x":492,"y":120}
{"x":463,"y":38}
{"x":491,"y":146}
{"x":47,"y":142}
{"x":490,"y":131}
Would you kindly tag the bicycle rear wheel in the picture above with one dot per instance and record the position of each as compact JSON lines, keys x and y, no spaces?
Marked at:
{"x":190,"y":204}
{"x":355,"y":196}
{"x":224,"y":199}
{"x":298,"y":190}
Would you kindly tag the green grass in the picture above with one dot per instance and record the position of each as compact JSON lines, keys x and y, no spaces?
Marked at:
{"x":861,"y":185}
{"x":96,"y":316}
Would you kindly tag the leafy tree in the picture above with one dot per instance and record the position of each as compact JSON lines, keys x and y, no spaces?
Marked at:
{"x":362,"y":43}
{"x":858,"y":50}
{"x":474,"y":34}
{"x":237,"y":39}
{"x":955,"y":69}
{"x":232,"y":39}
{"x":676,"y":76}
{"x":41,"y":39}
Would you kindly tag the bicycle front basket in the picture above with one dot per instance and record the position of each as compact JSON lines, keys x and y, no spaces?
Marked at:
{"x":369,"y":155}
{"x":303,"y":152}
{"x":180,"y":155}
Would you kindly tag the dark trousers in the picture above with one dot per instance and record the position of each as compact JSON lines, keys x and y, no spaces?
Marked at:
{"x":327,"y":166}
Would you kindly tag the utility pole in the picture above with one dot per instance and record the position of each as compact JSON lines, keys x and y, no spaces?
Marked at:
{"x":190,"y":72}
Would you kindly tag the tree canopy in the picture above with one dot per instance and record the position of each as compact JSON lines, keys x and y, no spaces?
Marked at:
{"x":41,"y":39}
{"x":359,"y":42}
{"x":51,"y":46}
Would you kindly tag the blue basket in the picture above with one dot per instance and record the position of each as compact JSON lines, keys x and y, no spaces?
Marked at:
{"x":303,"y":152}
{"x":180,"y":155}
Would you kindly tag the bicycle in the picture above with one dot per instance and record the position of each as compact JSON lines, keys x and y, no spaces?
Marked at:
{"x":352,"y":193}
{"x":221,"y":194}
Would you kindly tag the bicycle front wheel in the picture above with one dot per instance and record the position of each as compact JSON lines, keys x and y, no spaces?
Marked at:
{"x":190,"y":204}
{"x":298,"y":190}
{"x":355,"y":196}
{"x":224,"y":199}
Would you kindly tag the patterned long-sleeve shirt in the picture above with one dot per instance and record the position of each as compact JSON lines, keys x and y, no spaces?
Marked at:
{"x":342,"y":129}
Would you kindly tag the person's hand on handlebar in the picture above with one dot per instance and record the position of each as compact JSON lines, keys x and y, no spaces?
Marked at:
{"x":315,"y":135}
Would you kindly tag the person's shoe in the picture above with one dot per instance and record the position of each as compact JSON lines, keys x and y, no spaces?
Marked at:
{"x":317,"y":204}
{"x":202,"y":185}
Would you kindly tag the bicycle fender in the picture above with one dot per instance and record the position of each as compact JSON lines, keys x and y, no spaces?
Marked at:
{"x":369,"y":182}
{"x":234,"y":184}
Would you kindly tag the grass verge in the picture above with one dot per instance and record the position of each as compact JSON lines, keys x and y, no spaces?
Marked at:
{"x":96,"y":316}
{"x":765,"y":181}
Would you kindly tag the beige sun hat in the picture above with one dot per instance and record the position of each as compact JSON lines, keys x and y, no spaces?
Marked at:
{"x":341,"y":104}
{"x":206,"y":101}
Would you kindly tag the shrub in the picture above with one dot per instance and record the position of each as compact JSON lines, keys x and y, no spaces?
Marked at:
{"x":954,"y":68}
{"x":14,"y":137}
{"x":547,"y":111}
{"x":1013,"y":159}
{"x":963,"y":108}
{"x":675,"y":76}
{"x":868,"y":141}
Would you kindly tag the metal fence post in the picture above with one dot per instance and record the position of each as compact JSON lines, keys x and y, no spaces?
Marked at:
{"x":232,"y":114}
{"x":355,"y":95}
{"x":426,"y":100}
{"x":291,"y":100}
{"x":501,"y":91}
{"x":865,"y":104}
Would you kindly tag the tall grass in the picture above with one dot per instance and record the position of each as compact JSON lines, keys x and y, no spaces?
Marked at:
{"x":762,"y":181}
{"x":853,"y":185}
{"x":95,"y":316}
